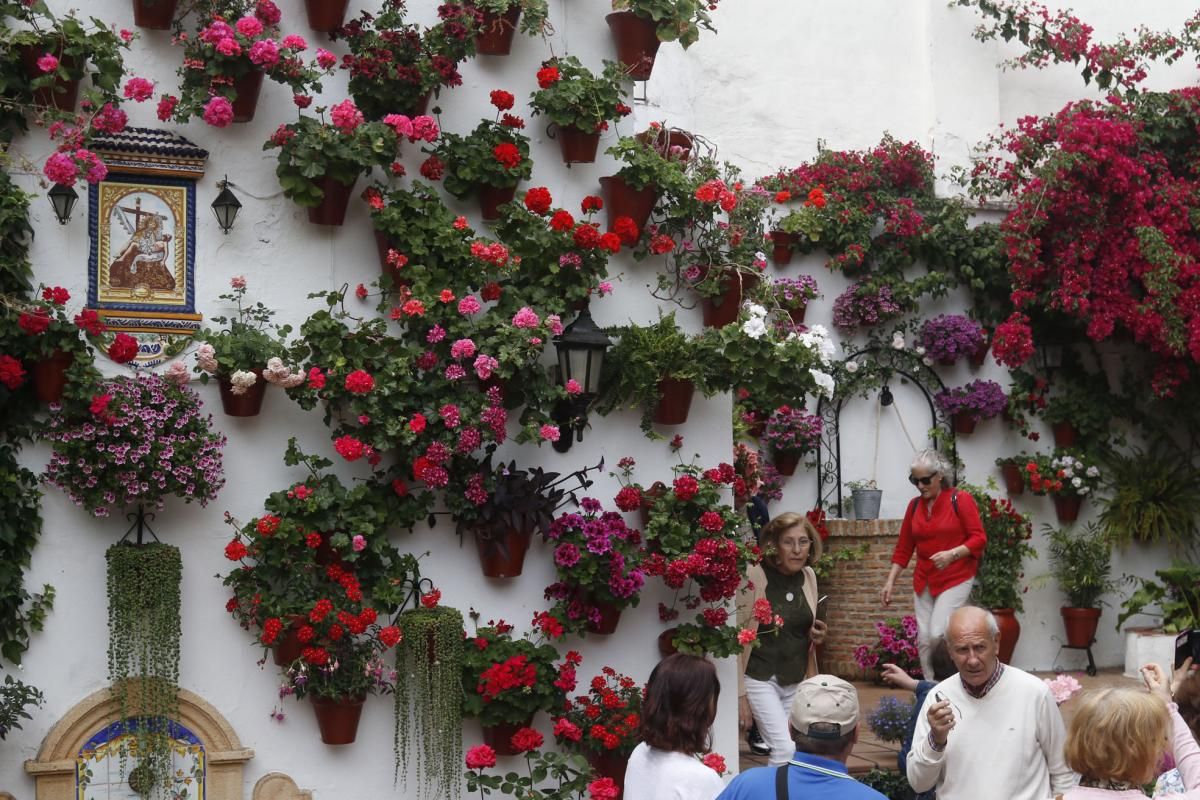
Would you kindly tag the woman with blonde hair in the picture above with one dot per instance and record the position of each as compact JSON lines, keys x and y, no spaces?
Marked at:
{"x":1118,"y":735}
{"x":769,"y":673}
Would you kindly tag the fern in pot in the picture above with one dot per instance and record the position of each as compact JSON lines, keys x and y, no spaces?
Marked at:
{"x":1080,"y":562}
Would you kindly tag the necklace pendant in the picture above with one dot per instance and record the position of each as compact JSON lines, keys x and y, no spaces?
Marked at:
{"x":790,"y":597}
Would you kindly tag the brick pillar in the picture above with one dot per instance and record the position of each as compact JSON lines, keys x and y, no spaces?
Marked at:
{"x":853,"y":589}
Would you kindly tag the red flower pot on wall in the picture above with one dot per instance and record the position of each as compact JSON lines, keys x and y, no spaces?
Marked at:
{"x":622,"y":201}
{"x":1067,"y":507}
{"x":1014,"y":479}
{"x":248,"y":403}
{"x":248,"y":88}
{"x":786,"y":461}
{"x":782,"y":244}
{"x":674,"y":401}
{"x":326,"y":16}
{"x":609,"y":764}
{"x":62,"y":94}
{"x":499,"y":736}
{"x":332,"y":208}
{"x":723,"y":309}
{"x":288,"y":647}
{"x":578,"y":146}
{"x":491,"y":198}
{"x":965,"y":422}
{"x":1010,"y":632}
{"x":980,"y":355}
{"x":496,"y":32}
{"x":50,"y":376}
{"x":610,"y":615}
{"x":798,"y":314}
{"x":155,"y":15}
{"x":503,"y":556}
{"x":666,"y":643}
{"x":1064,"y":434}
{"x":337,"y":719}
{"x":637,"y":42}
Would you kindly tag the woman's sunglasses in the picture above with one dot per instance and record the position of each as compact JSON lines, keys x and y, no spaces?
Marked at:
{"x":915,"y":481}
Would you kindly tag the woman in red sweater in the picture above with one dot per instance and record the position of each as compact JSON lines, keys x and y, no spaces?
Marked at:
{"x":942,"y":525}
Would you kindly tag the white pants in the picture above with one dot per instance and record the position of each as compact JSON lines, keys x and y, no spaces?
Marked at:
{"x":932,"y":615}
{"x":771,"y":704}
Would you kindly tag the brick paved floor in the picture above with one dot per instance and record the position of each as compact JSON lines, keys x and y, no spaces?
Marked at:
{"x":870,"y":753}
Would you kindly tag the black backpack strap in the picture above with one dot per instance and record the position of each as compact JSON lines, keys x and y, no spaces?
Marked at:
{"x":912,"y":507}
{"x":781,"y":783}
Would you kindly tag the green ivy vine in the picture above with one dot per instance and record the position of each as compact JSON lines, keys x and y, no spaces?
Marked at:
{"x":143,"y":651}
{"x":428,"y":713}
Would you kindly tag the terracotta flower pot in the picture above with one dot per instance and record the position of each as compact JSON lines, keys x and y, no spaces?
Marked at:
{"x":1064,"y":434}
{"x":499,"y":736}
{"x":622,"y":201}
{"x":326,"y":553}
{"x":1010,"y":632}
{"x":674,"y":401}
{"x":786,"y":461}
{"x":326,"y":16}
{"x":782,"y":244}
{"x":50,"y":376}
{"x":420,"y":107}
{"x":248,"y":88}
{"x":496,"y":33}
{"x":637,"y":42}
{"x":1081,"y":624}
{"x":964,"y":423}
{"x":491,"y":198}
{"x":1067,"y":507}
{"x":155,"y":15}
{"x":649,"y":497}
{"x":503,"y":556}
{"x":610,"y":615}
{"x":610,"y":764}
{"x":578,"y":147}
{"x":338,"y":719}
{"x":332,"y":209}
{"x":670,"y":143}
{"x":1014,"y":479}
{"x":62,"y":94}
{"x":666,"y":643}
{"x":248,"y":403}
{"x":288,"y":646}
{"x":721,"y":310}
{"x":980,"y":355}
{"x":798,"y":314}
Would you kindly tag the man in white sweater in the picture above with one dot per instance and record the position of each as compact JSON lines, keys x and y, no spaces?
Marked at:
{"x":992,"y":732}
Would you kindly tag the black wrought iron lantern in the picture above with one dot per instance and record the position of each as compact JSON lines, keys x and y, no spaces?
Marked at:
{"x":63,"y":199}
{"x":581,"y":349}
{"x":226,"y":206}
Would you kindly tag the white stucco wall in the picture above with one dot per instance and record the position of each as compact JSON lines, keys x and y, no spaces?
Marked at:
{"x":779,"y":76}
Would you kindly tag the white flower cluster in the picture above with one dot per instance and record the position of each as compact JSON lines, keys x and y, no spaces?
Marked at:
{"x":241,"y":381}
{"x":756,"y":326}
{"x":281,"y":375}
{"x":1082,"y":477}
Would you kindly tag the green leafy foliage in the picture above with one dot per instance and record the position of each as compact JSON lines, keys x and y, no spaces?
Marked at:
{"x":1176,"y":593}
{"x":579,"y":98}
{"x":675,"y":20}
{"x":998,"y":581}
{"x":311,"y":149}
{"x":643,"y":164}
{"x":475,"y":159}
{"x":143,"y":649}
{"x":1153,"y":496}
{"x":1081,"y":563}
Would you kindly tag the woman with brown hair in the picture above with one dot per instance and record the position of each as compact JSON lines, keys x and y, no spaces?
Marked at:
{"x":769,"y":673}
{"x":677,"y":717}
{"x":1117,"y":737}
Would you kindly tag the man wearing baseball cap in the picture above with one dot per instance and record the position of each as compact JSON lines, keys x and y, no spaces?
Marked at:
{"x":824,"y":727}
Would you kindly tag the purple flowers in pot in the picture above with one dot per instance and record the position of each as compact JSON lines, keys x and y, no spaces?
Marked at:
{"x":979,"y":399}
{"x":949,"y":337}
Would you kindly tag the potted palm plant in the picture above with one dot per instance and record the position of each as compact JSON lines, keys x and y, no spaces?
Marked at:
{"x":579,"y":103}
{"x":1080,"y":563}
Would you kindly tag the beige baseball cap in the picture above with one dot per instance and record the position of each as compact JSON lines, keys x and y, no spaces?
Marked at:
{"x":825,"y":707}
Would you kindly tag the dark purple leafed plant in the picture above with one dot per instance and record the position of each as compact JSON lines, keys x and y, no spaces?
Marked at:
{"x":949,"y":337}
{"x":980,"y":399}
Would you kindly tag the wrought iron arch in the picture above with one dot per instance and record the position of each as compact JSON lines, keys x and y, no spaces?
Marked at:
{"x":875,"y":368}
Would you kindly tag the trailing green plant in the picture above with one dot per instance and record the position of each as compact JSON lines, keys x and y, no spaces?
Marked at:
{"x":647,"y":354}
{"x":1084,"y":401}
{"x":15,"y":697}
{"x":428,"y":710}
{"x":16,"y":234}
{"x":143,"y":650}
{"x":892,"y":785}
{"x":830,"y":559}
{"x":1081,"y":564}
{"x":1153,"y":496}
{"x":572,"y":96}
{"x":1176,"y":593}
